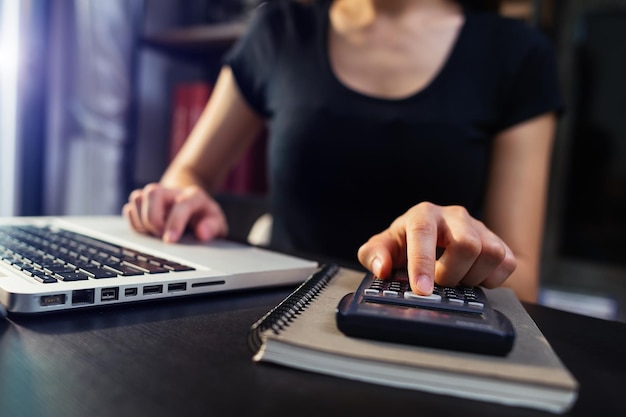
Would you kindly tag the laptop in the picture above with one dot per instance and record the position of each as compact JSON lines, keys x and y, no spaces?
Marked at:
{"x":62,"y":263}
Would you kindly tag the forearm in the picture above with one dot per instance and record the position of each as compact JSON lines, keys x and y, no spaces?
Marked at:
{"x":226,"y":128}
{"x":516,"y":197}
{"x":525,"y":279}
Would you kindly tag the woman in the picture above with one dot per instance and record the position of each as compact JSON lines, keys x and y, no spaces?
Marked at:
{"x":394,"y":127}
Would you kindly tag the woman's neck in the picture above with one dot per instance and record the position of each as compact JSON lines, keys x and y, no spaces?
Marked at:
{"x":360,"y":14}
{"x":391,"y":48}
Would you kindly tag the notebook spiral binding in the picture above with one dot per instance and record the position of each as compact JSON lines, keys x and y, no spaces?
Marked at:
{"x":280,"y":316}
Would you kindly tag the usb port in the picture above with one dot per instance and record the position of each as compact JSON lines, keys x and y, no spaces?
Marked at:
{"x":109,"y":294}
{"x":178,"y":286}
{"x":130,"y":292}
{"x":152,"y":289}
{"x":52,"y":300}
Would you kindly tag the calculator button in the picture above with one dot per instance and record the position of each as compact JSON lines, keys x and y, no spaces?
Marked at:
{"x":433,"y":298}
{"x":371,"y":291}
{"x":476,"y":305}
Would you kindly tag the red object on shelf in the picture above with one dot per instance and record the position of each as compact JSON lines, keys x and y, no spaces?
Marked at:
{"x":189,"y":100}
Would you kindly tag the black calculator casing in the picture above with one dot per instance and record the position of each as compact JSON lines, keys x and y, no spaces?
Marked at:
{"x":444,"y":324}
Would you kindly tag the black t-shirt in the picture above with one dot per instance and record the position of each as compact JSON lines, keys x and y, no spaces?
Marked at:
{"x":344,"y":165}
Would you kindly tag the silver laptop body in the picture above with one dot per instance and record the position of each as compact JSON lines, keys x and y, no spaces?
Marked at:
{"x":123,"y":266}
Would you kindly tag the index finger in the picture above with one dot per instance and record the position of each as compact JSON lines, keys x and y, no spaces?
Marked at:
{"x":154,"y":207}
{"x":194,"y":208}
{"x":421,"y":240}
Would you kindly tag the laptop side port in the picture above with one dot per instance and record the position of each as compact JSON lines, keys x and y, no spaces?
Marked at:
{"x":109,"y":294}
{"x":52,"y":300}
{"x":177,"y":286}
{"x":130,"y":292}
{"x":152,"y":289}
{"x":83,"y":296}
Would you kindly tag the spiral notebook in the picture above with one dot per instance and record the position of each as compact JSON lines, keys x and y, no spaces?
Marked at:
{"x":301,"y":332}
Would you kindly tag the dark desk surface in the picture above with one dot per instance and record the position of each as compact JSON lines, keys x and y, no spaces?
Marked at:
{"x":190,"y":357}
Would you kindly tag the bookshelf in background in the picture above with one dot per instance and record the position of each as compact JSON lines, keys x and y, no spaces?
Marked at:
{"x":200,"y":44}
{"x":205,"y":45}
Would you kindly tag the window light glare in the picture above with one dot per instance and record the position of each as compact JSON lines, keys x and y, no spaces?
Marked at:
{"x":9,"y":66}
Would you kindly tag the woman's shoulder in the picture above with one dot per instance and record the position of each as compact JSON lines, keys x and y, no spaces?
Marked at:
{"x":273,"y":23}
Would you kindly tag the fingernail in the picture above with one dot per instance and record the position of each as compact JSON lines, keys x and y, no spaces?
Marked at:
{"x":377,"y":265}
{"x":207,"y":231}
{"x":169,"y":236}
{"x":425,"y":284}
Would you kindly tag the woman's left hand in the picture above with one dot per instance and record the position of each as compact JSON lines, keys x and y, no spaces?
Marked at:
{"x":472,"y":254}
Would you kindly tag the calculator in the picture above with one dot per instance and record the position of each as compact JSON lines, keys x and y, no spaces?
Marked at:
{"x":457,"y":318}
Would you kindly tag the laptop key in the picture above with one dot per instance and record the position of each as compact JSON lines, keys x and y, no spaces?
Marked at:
{"x":122,"y":269}
{"x":44,"y":278}
{"x":71,"y":276}
{"x":146,"y":266}
{"x":178,"y":267}
{"x":98,"y":273}
{"x":63,"y":269}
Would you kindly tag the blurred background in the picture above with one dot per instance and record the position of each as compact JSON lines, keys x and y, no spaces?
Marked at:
{"x":97,"y":96}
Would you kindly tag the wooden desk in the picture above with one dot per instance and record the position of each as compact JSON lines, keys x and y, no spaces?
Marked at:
{"x":190,"y":357}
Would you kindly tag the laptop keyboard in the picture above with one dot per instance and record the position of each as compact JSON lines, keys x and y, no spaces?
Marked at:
{"x":50,"y":255}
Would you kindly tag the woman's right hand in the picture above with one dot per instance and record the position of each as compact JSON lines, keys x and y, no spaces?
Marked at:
{"x":166,"y":212}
